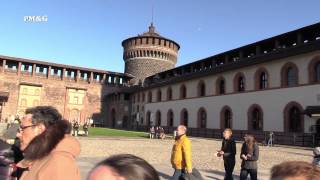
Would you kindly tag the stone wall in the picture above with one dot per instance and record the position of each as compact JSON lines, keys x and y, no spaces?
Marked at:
{"x":142,"y":68}
{"x":53,"y":93}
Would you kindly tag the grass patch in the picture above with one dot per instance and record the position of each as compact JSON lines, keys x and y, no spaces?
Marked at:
{"x":115,"y":132}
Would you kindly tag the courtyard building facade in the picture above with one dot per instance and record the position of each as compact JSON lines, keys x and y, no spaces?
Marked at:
{"x":268,"y":86}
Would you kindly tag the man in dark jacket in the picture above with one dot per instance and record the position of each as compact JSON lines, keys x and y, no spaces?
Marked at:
{"x":228,"y":152}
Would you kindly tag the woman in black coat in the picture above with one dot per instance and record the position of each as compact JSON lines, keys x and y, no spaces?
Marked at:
{"x":249,"y":155}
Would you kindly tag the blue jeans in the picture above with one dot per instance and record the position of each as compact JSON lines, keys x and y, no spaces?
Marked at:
{"x":177,"y":174}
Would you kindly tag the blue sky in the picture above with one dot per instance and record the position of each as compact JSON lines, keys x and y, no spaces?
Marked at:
{"x":89,"y":33}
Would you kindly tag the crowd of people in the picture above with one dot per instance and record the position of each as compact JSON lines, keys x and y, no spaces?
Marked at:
{"x":76,"y":128}
{"x":45,"y":149}
{"x":157,"y":132}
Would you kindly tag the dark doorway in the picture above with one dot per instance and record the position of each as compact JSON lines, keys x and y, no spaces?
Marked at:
{"x":184,"y":120}
{"x":113,"y":118}
{"x":1,"y":107}
{"x":318,"y":127}
{"x":125,"y":122}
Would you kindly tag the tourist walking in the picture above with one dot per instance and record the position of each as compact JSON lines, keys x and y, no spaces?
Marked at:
{"x":228,"y":152}
{"x":152,"y":132}
{"x":271,"y":137}
{"x":249,"y":155}
{"x":86,"y":128}
{"x":76,"y":127}
{"x":316,"y":156}
{"x":181,"y":154}
{"x":162,"y":134}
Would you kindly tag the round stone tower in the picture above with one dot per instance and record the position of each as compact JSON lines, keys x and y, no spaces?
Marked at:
{"x":148,"y":54}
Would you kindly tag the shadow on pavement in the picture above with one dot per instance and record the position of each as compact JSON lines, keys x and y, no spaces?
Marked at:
{"x":217,"y":174}
{"x":163,"y":175}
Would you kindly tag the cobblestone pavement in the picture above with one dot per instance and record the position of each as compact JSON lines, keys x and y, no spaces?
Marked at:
{"x":157,"y":152}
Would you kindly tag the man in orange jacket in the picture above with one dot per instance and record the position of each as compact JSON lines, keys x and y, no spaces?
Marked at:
{"x":181,"y":154}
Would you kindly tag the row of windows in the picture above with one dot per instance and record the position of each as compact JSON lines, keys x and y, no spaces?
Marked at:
{"x":147,"y":53}
{"x":292,"y":114}
{"x":24,"y":102}
{"x":26,"y":92}
{"x":289,"y":78}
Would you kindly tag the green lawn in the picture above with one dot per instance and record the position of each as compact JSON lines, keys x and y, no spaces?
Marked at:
{"x":115,"y":132}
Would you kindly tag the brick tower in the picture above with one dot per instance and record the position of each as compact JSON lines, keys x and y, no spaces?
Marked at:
{"x":149,"y":53}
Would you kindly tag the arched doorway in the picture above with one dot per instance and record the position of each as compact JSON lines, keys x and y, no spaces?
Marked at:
{"x":318,"y":127}
{"x":158,"y":118}
{"x":1,"y":105}
{"x":226,"y":117}
{"x":293,"y":118}
{"x":255,"y":118}
{"x":125,"y":122}
{"x":184,"y":117}
{"x":148,"y":118}
{"x":113,"y":118}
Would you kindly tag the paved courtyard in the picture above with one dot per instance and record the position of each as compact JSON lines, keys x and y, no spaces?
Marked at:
{"x":157,"y":152}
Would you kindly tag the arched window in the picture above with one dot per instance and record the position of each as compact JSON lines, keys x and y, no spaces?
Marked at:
{"x":220,"y":86}
{"x":239,"y":82}
{"x":263,"y":81}
{"x":35,"y":102}
{"x":293,"y":117}
{"x":37,"y":92}
{"x":24,"y":91}
{"x":292,"y":77}
{"x":159,"y":95}
{"x":255,"y":118}
{"x":149,"y":96}
{"x":184,"y":117}
{"x":183,"y":92}
{"x":289,"y":75}
{"x":201,"y":89}
{"x":169,"y":94}
{"x":314,"y":70}
{"x":170,"y":118}
{"x":226,"y":118}
{"x":23,"y":102}
{"x":143,"y":97}
{"x":158,"y":118}
{"x":202,"y":118}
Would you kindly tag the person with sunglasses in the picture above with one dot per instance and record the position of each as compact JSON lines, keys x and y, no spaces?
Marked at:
{"x":48,"y":148}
